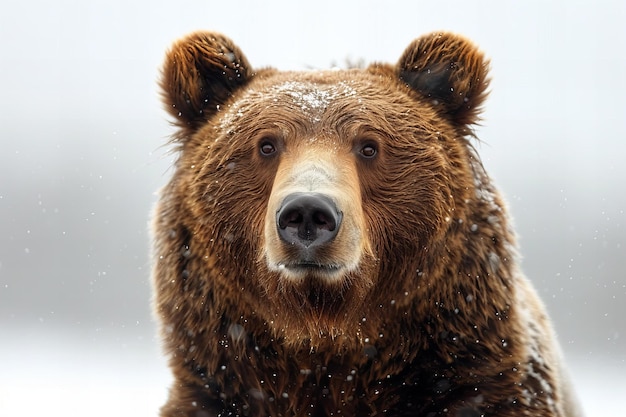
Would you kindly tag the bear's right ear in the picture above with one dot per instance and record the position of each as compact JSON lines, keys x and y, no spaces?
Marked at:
{"x":451,"y":71}
{"x":201,"y":71}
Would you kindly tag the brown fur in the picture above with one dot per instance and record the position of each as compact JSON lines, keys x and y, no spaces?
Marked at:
{"x":420,"y":308}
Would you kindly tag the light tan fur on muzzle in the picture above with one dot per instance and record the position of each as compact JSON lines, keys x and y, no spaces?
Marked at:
{"x":316,"y":166}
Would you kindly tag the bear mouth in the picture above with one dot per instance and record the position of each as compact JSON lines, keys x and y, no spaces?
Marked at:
{"x":300,"y":270}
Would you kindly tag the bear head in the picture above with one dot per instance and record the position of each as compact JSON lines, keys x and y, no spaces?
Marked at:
{"x":308,"y":201}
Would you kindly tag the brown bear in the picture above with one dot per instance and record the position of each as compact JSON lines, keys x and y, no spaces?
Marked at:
{"x":330,"y":244}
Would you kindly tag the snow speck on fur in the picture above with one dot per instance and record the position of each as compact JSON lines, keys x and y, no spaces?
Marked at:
{"x":311,"y":98}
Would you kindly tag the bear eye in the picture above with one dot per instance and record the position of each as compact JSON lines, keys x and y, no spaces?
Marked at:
{"x":267,"y":147}
{"x":368,"y":150}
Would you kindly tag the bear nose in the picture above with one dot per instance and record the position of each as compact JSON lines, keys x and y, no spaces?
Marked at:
{"x":308,"y":219}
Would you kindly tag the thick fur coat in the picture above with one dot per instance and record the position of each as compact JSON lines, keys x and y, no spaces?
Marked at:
{"x":330,"y":244}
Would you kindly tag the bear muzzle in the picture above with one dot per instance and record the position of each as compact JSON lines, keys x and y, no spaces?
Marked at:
{"x":314,"y":223}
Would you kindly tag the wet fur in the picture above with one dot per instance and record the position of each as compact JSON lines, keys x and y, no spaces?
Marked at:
{"x":436,"y":320}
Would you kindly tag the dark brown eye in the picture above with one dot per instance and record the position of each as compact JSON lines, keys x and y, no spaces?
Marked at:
{"x":368,"y":151}
{"x":267,"y":148}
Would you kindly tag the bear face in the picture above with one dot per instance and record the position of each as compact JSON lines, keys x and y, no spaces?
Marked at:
{"x":340,"y":219}
{"x":359,"y":139}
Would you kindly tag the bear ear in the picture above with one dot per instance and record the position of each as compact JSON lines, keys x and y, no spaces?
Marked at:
{"x":449,"y":70}
{"x":201,"y":71}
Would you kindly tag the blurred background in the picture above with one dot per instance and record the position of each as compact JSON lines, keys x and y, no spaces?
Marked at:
{"x":83,"y":150}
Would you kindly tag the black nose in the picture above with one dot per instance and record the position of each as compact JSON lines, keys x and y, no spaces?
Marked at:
{"x":308,"y":219}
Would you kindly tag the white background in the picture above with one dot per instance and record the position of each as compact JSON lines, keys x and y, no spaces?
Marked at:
{"x":82,"y":151}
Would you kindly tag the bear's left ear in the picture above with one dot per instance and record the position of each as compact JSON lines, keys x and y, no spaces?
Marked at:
{"x":451,"y":71}
{"x":201,"y":71}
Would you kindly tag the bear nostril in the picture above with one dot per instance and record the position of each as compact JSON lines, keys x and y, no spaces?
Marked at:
{"x":308,"y":219}
{"x":323,"y":221}
{"x":291,"y":218}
